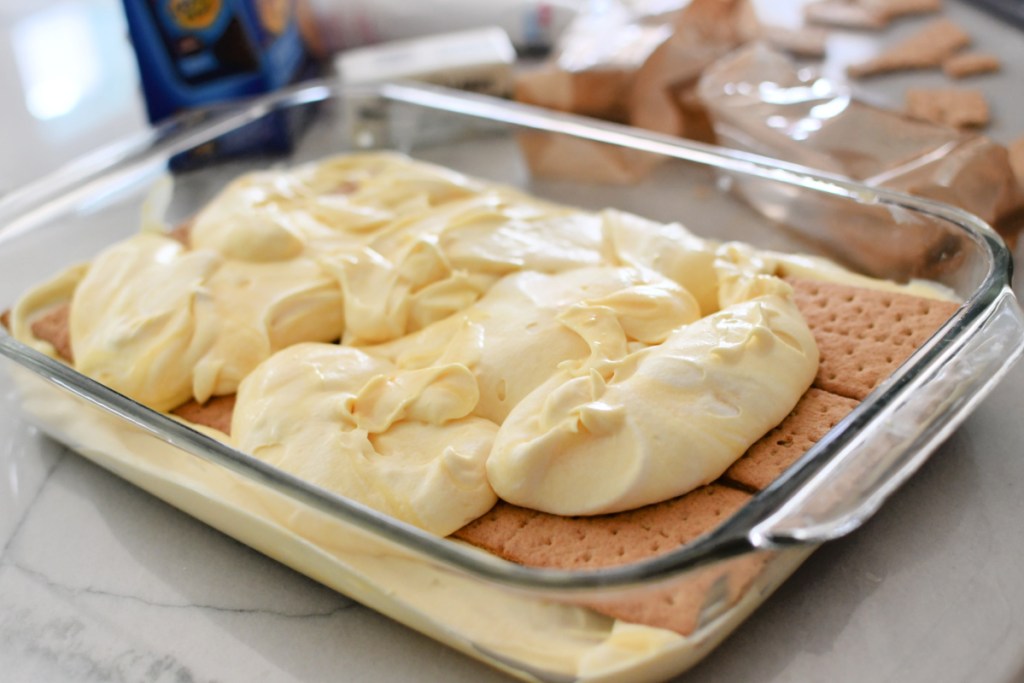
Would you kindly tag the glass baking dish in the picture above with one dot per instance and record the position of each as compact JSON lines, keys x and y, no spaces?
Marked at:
{"x":528,"y":622}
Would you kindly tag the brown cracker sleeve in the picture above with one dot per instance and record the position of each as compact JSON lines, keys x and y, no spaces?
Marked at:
{"x":863,"y":335}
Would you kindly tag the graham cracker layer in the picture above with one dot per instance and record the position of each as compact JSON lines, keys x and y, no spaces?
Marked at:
{"x":216,"y":412}
{"x":538,"y":539}
{"x":817,"y":412}
{"x":863,"y":335}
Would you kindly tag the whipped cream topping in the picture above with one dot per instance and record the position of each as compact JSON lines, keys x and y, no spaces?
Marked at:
{"x":163,"y":324}
{"x":491,"y":343}
{"x":659,"y":421}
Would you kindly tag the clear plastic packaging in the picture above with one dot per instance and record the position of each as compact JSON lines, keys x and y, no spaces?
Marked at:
{"x":525,"y":621}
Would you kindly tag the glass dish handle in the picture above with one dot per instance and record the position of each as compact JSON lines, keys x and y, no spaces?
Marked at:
{"x":848,"y":490}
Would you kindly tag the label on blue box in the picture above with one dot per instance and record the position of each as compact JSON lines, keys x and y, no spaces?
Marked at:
{"x":197,"y":53}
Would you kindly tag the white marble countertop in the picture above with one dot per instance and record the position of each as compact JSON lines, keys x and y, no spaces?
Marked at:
{"x":101,"y":582}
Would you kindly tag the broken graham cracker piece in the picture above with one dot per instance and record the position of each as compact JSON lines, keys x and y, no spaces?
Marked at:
{"x":54,"y":327}
{"x":841,"y":14}
{"x":964,"y":64}
{"x":215,"y":413}
{"x":815,"y":414}
{"x":538,"y":539}
{"x":864,"y":335}
{"x":866,"y":14}
{"x":901,"y":8}
{"x":928,"y":48}
{"x":956,"y":107}
{"x":806,"y":41}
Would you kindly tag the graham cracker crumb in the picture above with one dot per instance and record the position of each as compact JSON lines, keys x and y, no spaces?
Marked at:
{"x":959,"y":108}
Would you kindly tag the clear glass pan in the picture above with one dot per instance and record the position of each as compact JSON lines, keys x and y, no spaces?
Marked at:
{"x":716,"y":193}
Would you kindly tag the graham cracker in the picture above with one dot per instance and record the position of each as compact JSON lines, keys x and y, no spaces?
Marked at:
{"x":683,"y":604}
{"x":929,"y":47}
{"x":215,"y":413}
{"x":538,"y":539}
{"x":964,"y":64}
{"x":182,"y":233}
{"x":956,"y":107}
{"x":900,"y":8}
{"x":841,"y":14}
{"x":806,"y":41}
{"x":54,"y":326}
{"x":817,"y":412}
{"x":863,"y":335}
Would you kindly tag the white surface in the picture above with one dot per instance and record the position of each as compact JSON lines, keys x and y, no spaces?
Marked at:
{"x":101,"y":582}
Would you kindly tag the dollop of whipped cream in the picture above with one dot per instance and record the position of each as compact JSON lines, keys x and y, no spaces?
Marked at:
{"x":529,"y":324}
{"x":400,"y":441}
{"x":163,"y":324}
{"x":628,"y":429}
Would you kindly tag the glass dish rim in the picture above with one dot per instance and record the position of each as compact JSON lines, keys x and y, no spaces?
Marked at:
{"x":732,"y":538}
